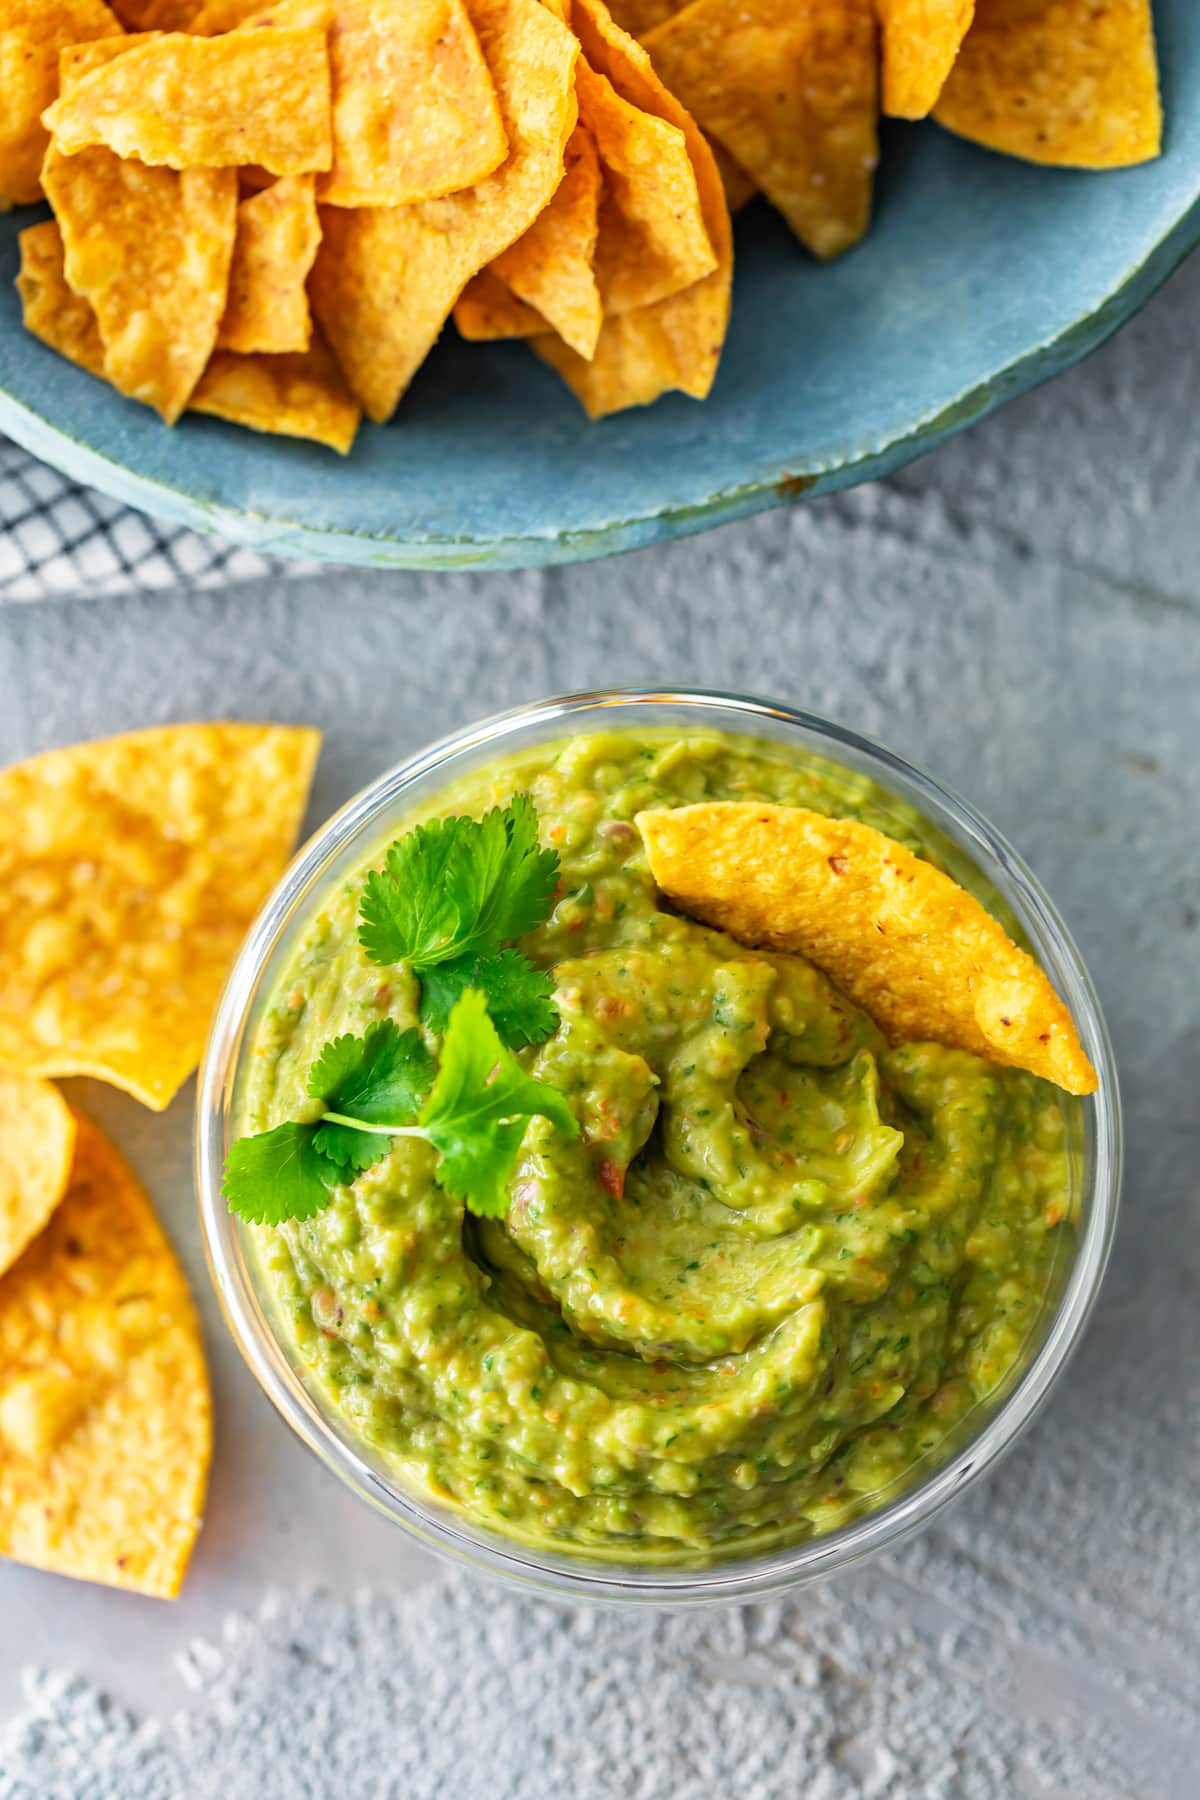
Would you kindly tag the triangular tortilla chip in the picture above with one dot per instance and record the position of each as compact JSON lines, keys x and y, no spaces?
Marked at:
{"x":386,"y":277}
{"x":277,"y":237}
{"x":906,"y":943}
{"x":105,"y":1416}
{"x":37,"y":1144}
{"x":551,"y":268}
{"x":32,"y":33}
{"x":1074,"y":84}
{"x":791,"y":91}
{"x":921,"y":39}
{"x":300,"y":395}
{"x":131,"y":870}
{"x":415,"y":113}
{"x":677,"y":342}
{"x":198,"y":102}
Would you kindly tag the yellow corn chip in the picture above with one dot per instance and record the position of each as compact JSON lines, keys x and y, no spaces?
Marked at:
{"x":415,"y":113}
{"x":550,"y":268}
{"x":37,"y":1144}
{"x":302,"y":395}
{"x":158,"y":15}
{"x":131,"y":870}
{"x":105,"y":1416}
{"x":677,"y":342}
{"x":234,"y":15}
{"x":906,"y":943}
{"x":921,"y":39}
{"x":1074,"y":83}
{"x":652,"y":242}
{"x":195,"y":102}
{"x":277,"y":237}
{"x":52,"y":312}
{"x":488,"y":309}
{"x":149,"y":250}
{"x":739,"y":189}
{"x":32,"y":33}
{"x":78,"y":60}
{"x":789,"y":87}
{"x":386,"y":278}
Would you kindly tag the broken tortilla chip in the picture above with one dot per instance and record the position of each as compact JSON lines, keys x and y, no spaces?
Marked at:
{"x":386,"y":278}
{"x":902,"y":939}
{"x":32,"y":33}
{"x":149,"y":250}
{"x":790,"y":89}
{"x":487,"y":309}
{"x":1074,"y":84}
{"x":277,"y":237}
{"x":198,"y":102}
{"x":51,"y":311}
{"x":652,"y":241}
{"x":300,"y":395}
{"x":921,"y":39}
{"x":37,"y":1145}
{"x":131,"y":870}
{"x":415,"y":113}
{"x":105,"y":1414}
{"x":677,"y":342}
{"x":550,"y":269}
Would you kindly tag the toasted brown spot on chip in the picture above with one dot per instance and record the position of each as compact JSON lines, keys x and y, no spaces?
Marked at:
{"x":945,"y":971}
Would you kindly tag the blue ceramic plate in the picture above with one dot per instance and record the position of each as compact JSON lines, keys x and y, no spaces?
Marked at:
{"x":980,"y":277}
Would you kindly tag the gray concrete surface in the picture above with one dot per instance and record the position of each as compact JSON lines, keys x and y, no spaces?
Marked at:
{"x":1020,"y":613}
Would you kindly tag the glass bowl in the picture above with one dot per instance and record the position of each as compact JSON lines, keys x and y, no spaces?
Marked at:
{"x":343,"y":845}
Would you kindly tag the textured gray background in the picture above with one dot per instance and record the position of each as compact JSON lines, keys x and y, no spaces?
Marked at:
{"x":1020,"y":614}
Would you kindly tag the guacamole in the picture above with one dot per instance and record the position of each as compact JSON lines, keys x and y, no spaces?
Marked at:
{"x":776,"y":1271}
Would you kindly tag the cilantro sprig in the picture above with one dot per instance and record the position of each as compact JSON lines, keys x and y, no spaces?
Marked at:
{"x":451,"y":899}
{"x":382,"y":1086}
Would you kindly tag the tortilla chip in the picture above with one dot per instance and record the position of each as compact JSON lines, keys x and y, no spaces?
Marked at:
{"x":739,"y":189}
{"x":550,"y":268}
{"x":52,"y":312}
{"x":158,"y":15}
{"x":32,"y":32}
{"x":677,"y":342}
{"x":415,"y":113}
{"x":652,"y":242}
{"x":37,"y":1144}
{"x":277,"y":237}
{"x":906,"y":943}
{"x":386,"y":278}
{"x":1074,"y":84}
{"x":105,"y":1414}
{"x":921,"y":39}
{"x":195,"y":102}
{"x":131,"y":870}
{"x":303,"y":395}
{"x":77,"y":60}
{"x":149,"y":250}
{"x":790,"y":88}
{"x":488,"y":309}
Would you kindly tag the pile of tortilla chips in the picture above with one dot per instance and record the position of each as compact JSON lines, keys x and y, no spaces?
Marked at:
{"x":131,"y":869}
{"x":268,"y":213}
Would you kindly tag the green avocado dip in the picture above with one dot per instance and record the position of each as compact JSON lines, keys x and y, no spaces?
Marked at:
{"x":765,"y":1285}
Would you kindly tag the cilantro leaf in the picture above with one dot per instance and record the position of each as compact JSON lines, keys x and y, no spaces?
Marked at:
{"x":278,"y":1175}
{"x":458,"y":887}
{"x":520,"y":998}
{"x":381,"y":1077}
{"x":479,"y":1109}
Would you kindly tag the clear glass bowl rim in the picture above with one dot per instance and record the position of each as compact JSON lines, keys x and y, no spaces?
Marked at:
{"x":566,"y":1576}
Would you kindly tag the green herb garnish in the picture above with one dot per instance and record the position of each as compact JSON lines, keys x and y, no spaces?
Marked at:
{"x":451,"y":897}
{"x":377,"y":1088}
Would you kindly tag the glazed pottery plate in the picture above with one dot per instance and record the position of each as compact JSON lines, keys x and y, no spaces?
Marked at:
{"x":981,"y":276}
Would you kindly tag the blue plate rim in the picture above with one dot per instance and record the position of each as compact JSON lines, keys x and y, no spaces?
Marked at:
{"x":292,"y":538}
